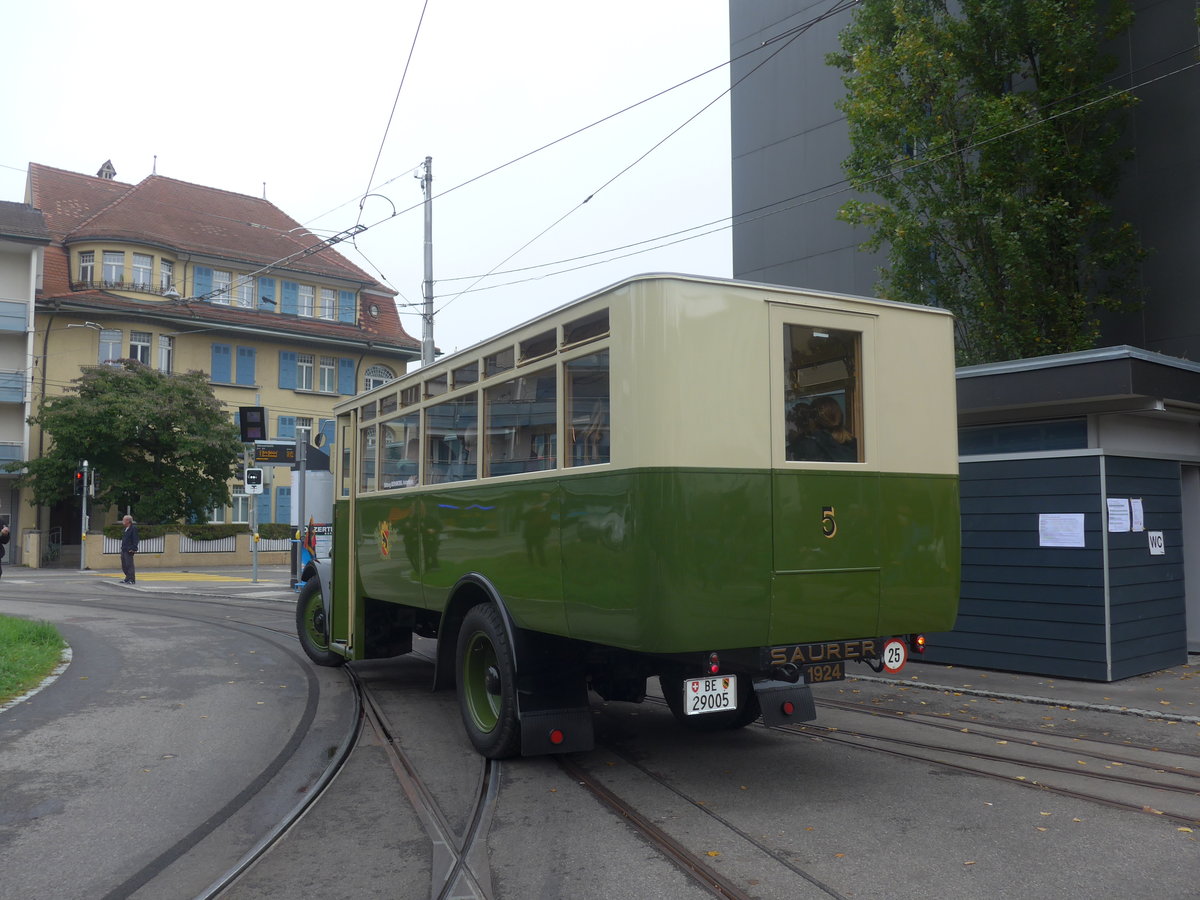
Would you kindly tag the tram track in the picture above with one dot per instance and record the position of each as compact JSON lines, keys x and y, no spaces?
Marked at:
{"x":459,"y":867}
{"x":1167,"y":784}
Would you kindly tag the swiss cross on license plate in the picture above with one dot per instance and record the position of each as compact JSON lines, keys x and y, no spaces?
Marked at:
{"x":712,"y":694}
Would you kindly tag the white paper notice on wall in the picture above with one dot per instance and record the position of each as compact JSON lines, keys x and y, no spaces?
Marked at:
{"x":1118,"y":514}
{"x":1137,"y":516}
{"x":1060,"y":530}
{"x":1158,"y":546}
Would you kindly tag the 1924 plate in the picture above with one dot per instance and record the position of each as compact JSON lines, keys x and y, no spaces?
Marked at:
{"x":819,"y":674}
{"x":708,"y":695}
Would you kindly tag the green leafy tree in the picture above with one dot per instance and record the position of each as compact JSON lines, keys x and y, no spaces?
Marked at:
{"x":162,"y":444}
{"x":989,"y":139}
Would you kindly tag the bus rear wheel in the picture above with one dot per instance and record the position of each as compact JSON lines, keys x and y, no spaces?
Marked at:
{"x":487,"y":675}
{"x":312,"y":625}
{"x":747,"y":706}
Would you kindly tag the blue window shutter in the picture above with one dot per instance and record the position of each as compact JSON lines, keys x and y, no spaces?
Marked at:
{"x":326,"y":427}
{"x":266,"y":291}
{"x":290,"y":301}
{"x":201,"y":281}
{"x":222,"y":364}
{"x":287,"y":427}
{"x":346,"y":306}
{"x":346,"y":376}
{"x":283,"y":505}
{"x":287,"y":370}
{"x":245,"y":365}
{"x":263,"y":501}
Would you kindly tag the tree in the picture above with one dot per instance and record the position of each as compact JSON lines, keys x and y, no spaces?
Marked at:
{"x":989,"y":135}
{"x":162,"y":444}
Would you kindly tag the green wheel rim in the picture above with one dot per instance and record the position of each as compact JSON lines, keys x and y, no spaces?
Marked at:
{"x":479,"y":660}
{"x":314,"y":623}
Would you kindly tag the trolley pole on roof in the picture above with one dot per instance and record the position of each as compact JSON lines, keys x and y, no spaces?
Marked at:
{"x":427,"y":285}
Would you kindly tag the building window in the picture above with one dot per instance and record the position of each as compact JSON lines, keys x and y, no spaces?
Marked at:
{"x":328,"y":383}
{"x":216,"y":515}
{"x":220,"y":286}
{"x":377,"y":375}
{"x":243,"y":292}
{"x":114,"y":267}
{"x":304,"y":372}
{"x":305,"y":300}
{"x":110,"y":344}
{"x":328,"y":303}
{"x":166,"y":275}
{"x":87,"y":266}
{"x":241,"y":507}
{"x":166,"y":353}
{"x":143,"y":269}
{"x":139,"y":346}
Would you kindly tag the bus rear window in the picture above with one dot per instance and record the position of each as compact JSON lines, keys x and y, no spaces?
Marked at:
{"x":822,"y":402}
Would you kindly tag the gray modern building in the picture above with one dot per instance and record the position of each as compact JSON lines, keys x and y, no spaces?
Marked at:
{"x":788,"y":141}
{"x":1105,"y":444}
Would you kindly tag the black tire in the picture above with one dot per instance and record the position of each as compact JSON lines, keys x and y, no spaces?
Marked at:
{"x":487,"y":684}
{"x":312,"y":626}
{"x":747,"y":710}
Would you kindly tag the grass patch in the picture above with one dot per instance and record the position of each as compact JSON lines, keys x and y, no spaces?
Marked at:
{"x":29,"y":651}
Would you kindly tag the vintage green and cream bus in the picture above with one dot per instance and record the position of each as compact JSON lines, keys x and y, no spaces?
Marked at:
{"x":738,"y":488}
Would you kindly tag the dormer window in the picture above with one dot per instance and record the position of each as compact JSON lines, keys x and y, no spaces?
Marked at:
{"x":114,"y":268}
{"x":87,"y":266}
{"x":166,"y":275}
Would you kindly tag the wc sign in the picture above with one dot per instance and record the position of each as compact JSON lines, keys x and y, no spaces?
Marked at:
{"x":1157,"y":546}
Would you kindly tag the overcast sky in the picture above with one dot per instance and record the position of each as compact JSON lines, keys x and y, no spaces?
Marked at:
{"x":298,"y":95}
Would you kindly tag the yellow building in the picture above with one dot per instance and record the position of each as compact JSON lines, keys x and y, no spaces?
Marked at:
{"x":184,"y":277}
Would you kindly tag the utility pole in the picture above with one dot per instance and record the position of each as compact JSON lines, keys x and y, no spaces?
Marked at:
{"x":83,"y":519}
{"x":427,"y":285}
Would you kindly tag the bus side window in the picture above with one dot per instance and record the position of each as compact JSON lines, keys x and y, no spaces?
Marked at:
{"x":822,"y":405}
{"x":450,"y":435}
{"x":588,"y":410}
{"x":366,"y":463}
{"x":521,"y":424}
{"x":401,"y":449}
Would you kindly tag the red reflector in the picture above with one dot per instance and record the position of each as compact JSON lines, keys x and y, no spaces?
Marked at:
{"x":788,"y":707}
{"x":556,"y":736}
{"x":918,"y":643}
{"x":714,"y":663}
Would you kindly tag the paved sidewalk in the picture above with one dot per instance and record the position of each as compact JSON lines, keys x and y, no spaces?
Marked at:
{"x":274,"y":582}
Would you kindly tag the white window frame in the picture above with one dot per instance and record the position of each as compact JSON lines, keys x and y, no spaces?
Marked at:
{"x":112,"y":339}
{"x":377,"y":375}
{"x":143,"y":270}
{"x":114,"y":265}
{"x":139,"y":346}
{"x":304,"y":300}
{"x":87,"y":266}
{"x":304,"y":371}
{"x":328,"y":375}
{"x":243,"y":292}
{"x":166,"y":353}
{"x":166,"y":274}
{"x":220,"y":286}
{"x":328,"y":308}
{"x":240,"y":510}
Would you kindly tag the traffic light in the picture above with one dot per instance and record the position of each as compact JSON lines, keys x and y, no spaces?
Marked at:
{"x":79,"y":482}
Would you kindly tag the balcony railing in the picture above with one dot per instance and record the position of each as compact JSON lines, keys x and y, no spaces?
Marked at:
{"x":12,"y":387}
{"x":142,"y":287}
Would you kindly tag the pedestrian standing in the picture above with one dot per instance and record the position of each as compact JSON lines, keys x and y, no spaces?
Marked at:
{"x":129,"y":546}
{"x":3,"y":540}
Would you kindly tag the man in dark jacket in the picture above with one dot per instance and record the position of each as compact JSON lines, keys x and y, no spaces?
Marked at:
{"x":129,"y":546}
{"x":4,"y":535}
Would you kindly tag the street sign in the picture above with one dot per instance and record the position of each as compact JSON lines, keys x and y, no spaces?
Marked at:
{"x":254,"y":481}
{"x":275,"y":453}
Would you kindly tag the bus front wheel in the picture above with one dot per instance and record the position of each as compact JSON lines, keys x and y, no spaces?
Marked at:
{"x":487,"y":694}
{"x":312,"y":625}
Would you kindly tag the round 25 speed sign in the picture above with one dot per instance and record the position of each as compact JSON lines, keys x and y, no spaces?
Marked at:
{"x":895,"y":655}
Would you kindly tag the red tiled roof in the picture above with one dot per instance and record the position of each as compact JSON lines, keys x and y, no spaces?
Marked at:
{"x":189,"y":218}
